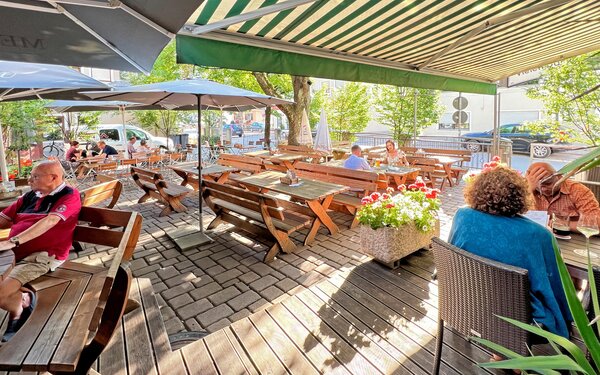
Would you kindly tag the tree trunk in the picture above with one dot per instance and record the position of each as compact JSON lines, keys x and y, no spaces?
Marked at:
{"x":268,"y":127}
{"x":293,"y":112}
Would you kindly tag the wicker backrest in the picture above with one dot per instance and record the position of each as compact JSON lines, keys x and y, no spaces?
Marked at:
{"x":472,"y":290}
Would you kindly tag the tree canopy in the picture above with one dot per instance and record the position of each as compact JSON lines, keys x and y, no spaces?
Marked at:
{"x":348,"y":108}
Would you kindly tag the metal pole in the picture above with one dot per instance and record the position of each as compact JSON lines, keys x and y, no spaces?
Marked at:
{"x":125,"y":139}
{"x":415,"y":118}
{"x":460,"y":109}
{"x":202,"y":238}
{"x":3,"y":169}
{"x":496,"y":138}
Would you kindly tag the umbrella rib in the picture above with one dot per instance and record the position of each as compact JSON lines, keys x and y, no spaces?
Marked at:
{"x":146,"y":20}
{"x":163,"y":98}
{"x":4,"y":93}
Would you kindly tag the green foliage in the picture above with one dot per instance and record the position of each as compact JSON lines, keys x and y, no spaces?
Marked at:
{"x":576,"y":360}
{"x":348,"y":108}
{"x":79,"y":126}
{"x":396,"y":109}
{"x":26,"y":121}
{"x":559,"y":84}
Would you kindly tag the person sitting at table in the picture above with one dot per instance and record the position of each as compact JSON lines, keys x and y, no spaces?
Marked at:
{"x":490,"y":226}
{"x":41,"y":225}
{"x":393,"y":156}
{"x":107,"y":150}
{"x":143,"y":146}
{"x":131,"y":147}
{"x":569,"y":199}
{"x":356,"y":161}
{"x":73,"y":152}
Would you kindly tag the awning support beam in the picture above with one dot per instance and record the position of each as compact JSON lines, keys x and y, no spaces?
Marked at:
{"x":279,"y":7}
{"x":491,"y":23}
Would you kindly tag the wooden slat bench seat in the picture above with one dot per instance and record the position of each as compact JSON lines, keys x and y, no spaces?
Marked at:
{"x":257,"y":213}
{"x":307,"y":151}
{"x":78,"y":306}
{"x":154,"y":186}
{"x":429,"y":171}
{"x":109,"y":188}
{"x":457,"y":170}
{"x":246,"y":164}
{"x":361,"y":183}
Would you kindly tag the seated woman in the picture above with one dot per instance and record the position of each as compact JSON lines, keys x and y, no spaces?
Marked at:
{"x":73,"y":152}
{"x":143,"y":146}
{"x":491,"y":227}
{"x":394,"y":156}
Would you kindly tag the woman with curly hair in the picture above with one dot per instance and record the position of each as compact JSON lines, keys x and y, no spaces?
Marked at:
{"x":492,"y":227}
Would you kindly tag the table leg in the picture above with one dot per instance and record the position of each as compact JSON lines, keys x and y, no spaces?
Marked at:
{"x":183,"y":175}
{"x":400,"y":180}
{"x":448,"y":170}
{"x":320,"y":209}
{"x":224,"y":176}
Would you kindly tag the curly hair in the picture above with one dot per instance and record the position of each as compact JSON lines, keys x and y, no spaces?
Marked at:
{"x":500,"y":191}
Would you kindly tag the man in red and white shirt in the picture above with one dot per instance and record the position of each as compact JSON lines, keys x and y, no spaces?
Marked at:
{"x":41,"y":225}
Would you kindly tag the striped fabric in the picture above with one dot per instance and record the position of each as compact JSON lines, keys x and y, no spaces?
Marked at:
{"x":407,"y":34}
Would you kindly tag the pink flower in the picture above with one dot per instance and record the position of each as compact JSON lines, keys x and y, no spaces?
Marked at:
{"x":493,"y":164}
{"x":424,"y":189}
{"x":385,"y":196}
{"x":390,"y":190}
{"x":390,"y":205}
{"x":486,"y":165}
{"x":375,"y":196}
{"x":413,"y":187}
{"x":366,"y":200}
{"x":496,"y":158}
{"x":419,"y":182}
{"x":402,"y":187}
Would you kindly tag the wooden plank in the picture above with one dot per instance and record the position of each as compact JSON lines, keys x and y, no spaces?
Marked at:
{"x":167,"y":363}
{"x":338,"y":347}
{"x":14,"y":352}
{"x":43,"y":349}
{"x":316,"y":352}
{"x":240,"y":352}
{"x":139,"y":347}
{"x":197,"y":359}
{"x":285,"y":349}
{"x":76,"y":333}
{"x":262,"y":356}
{"x":113,"y":360}
{"x":357,"y":338}
{"x":225,"y":357}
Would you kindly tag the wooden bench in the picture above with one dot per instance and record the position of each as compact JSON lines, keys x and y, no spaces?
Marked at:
{"x":361,"y":183}
{"x":257,"y":213}
{"x":155,"y":186}
{"x":429,"y":171}
{"x":457,"y":170}
{"x":246,"y":164}
{"x":109,"y":188}
{"x":307,"y":151}
{"x":78,"y":306}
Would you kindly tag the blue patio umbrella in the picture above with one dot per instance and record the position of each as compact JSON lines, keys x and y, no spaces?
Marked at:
{"x":193,"y":92}
{"x":27,"y":81}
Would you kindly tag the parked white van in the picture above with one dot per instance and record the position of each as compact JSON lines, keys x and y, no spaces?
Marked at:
{"x":113,"y":135}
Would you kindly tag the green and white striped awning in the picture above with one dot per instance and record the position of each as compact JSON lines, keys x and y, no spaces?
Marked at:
{"x":458,"y":45}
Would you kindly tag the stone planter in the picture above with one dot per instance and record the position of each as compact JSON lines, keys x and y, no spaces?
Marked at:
{"x":389,"y":245}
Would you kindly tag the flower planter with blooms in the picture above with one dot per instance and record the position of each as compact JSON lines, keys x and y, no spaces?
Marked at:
{"x":394,"y":226}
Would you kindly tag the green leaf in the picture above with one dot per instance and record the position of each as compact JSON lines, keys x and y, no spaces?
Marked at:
{"x":593,"y":290}
{"x":579,"y":315}
{"x":591,"y":158}
{"x":538,"y":363}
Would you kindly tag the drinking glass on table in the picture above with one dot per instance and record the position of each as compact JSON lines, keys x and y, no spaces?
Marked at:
{"x":588,"y":226}
{"x":560,"y":226}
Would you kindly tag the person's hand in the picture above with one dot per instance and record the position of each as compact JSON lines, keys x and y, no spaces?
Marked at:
{"x":6,"y":245}
{"x":534,"y":177}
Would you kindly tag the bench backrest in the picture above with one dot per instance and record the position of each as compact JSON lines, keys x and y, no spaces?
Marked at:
{"x":243,"y":198}
{"x":111,"y":188}
{"x":363,"y":180}
{"x":426,"y":165}
{"x":304,"y":150}
{"x":243,"y":163}
{"x":145,"y":175}
{"x":463,"y":154}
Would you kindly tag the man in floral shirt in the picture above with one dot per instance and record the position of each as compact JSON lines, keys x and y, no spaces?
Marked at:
{"x":41,"y":225}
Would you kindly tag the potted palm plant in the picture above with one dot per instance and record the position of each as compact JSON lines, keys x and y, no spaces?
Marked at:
{"x":396,"y":225}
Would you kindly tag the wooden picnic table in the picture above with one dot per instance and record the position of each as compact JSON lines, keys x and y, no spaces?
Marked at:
{"x":576,"y":263}
{"x":399,"y":174}
{"x":7,"y":262}
{"x":285,"y":159}
{"x":189,"y":173}
{"x":317,"y":195}
{"x":446,"y":162}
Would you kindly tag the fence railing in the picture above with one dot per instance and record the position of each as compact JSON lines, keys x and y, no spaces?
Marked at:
{"x":482,"y":150}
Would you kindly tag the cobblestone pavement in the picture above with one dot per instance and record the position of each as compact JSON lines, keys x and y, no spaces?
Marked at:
{"x":214,"y":285}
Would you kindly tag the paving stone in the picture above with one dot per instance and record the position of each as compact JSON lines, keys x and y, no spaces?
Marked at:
{"x":205,"y":290}
{"x":286,"y":284}
{"x":243,"y":300}
{"x":218,"y":325}
{"x":199,"y":255}
{"x":142,"y":272}
{"x":213,"y":315}
{"x":259,"y":305}
{"x":271,"y":293}
{"x":202,"y":280}
{"x":168,"y":262}
{"x":205,"y":263}
{"x":179,"y":289}
{"x":228,"y":262}
{"x":216,"y":270}
{"x":167,"y":272}
{"x":239,"y":315}
{"x":193,"y":325}
{"x":137,"y":264}
{"x":263,"y":282}
{"x":227,"y":275}
{"x":243,"y":287}
{"x":159,"y":287}
{"x":194,"y":309}
{"x":181,"y":300}
{"x":249,"y":277}
{"x":291,"y":271}
{"x":224,"y":295}
{"x":221,"y":254}
{"x":174,"y":325}
{"x":179,"y":279}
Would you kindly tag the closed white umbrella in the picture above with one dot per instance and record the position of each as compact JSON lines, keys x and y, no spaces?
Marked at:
{"x":305,"y":133}
{"x":322,"y":139}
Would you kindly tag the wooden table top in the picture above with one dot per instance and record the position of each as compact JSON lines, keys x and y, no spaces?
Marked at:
{"x":577,"y":241}
{"x":308,"y":190}
{"x":382,"y":169}
{"x":445,"y":159}
{"x":212,"y":169}
{"x":265,"y":154}
{"x":7,"y":262}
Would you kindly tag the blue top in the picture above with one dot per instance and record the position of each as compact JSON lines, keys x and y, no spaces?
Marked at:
{"x":356,"y":162}
{"x":109,"y":150}
{"x":519,"y":242}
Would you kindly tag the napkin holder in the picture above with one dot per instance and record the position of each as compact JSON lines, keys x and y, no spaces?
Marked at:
{"x":290,"y":178}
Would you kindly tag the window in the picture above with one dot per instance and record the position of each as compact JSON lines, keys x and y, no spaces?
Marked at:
{"x":506,"y":129}
{"x":110,"y":134}
{"x":137,"y":134}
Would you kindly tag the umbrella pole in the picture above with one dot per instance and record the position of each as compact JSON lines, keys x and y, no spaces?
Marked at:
{"x":3,"y":169}
{"x":125,"y":139}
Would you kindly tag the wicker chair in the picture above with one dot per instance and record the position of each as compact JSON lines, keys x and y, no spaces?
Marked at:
{"x":472,"y":290}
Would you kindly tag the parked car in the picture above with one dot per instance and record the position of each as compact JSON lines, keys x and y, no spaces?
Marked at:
{"x":235,"y":129}
{"x":113,"y":135}
{"x":257,"y":127}
{"x":521,"y":138}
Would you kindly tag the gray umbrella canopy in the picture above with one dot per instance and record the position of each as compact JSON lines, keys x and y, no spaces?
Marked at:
{"x":124,"y":35}
{"x":198,"y":92}
{"x":27,"y":81}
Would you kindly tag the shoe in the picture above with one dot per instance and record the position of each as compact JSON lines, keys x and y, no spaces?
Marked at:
{"x":16,"y":324}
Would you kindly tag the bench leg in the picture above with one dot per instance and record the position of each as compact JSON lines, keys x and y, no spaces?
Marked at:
{"x":271,"y":253}
{"x":177,"y":205}
{"x":166,"y":211}
{"x":144,"y":197}
{"x":215,"y":223}
{"x":354,"y":223}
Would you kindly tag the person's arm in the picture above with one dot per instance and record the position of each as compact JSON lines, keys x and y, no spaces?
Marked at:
{"x":585,"y":202}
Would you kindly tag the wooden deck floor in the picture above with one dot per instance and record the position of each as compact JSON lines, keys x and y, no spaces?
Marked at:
{"x":370,"y":320}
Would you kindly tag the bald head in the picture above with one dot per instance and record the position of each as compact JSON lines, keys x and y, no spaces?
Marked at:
{"x":541,"y":166}
{"x":50,"y":167}
{"x":46,"y":177}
